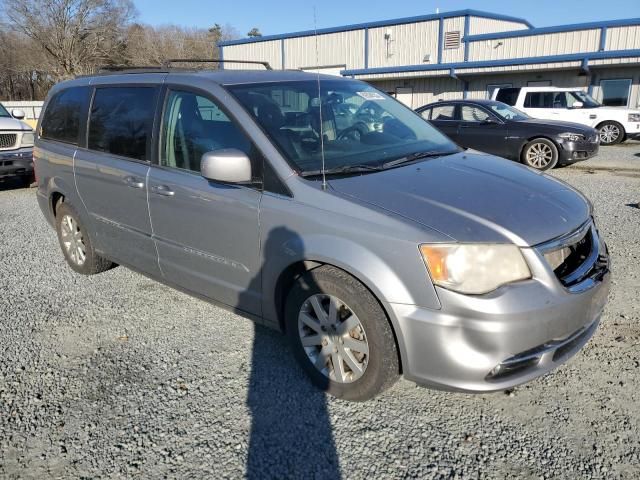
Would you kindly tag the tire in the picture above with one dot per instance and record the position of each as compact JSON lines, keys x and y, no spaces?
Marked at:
{"x":611,"y":133}
{"x":540,"y":153}
{"x":72,"y":233}
{"x":373,"y":352}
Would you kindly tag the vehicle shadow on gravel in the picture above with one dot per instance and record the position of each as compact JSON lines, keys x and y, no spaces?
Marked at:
{"x":291,"y":434}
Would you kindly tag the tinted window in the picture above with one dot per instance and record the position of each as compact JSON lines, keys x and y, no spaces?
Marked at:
{"x":192,"y":126}
{"x":121,"y":121}
{"x":492,"y":87}
{"x":548,"y":100}
{"x":615,"y":93}
{"x":508,"y":95}
{"x":473,"y":114}
{"x":61,"y":119}
{"x":443,"y":112}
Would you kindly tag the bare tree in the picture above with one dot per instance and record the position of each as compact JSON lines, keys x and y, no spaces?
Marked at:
{"x":77,"y":35}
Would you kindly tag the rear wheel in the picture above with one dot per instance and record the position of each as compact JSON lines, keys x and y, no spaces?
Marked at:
{"x":75,"y":243}
{"x":540,"y":153}
{"x":340,"y":335}
{"x":611,"y":133}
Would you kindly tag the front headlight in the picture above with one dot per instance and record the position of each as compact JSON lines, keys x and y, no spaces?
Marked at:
{"x":572,"y":137}
{"x":27,"y":140}
{"x":474,"y":269}
{"x":634,"y":117}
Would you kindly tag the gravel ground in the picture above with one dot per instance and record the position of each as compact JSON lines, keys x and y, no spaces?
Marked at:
{"x":118,"y":376}
{"x":625,"y":156}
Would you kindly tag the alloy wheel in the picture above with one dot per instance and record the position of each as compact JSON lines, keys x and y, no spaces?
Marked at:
{"x":609,"y":133}
{"x":72,"y":240}
{"x":539,"y":155}
{"x":333,"y":338}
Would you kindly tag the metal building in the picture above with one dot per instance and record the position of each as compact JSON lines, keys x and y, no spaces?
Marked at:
{"x":464,"y":53}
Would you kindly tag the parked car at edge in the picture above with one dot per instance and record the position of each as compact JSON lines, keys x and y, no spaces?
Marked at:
{"x":16,"y":146}
{"x":390,"y":251}
{"x":615,"y":124}
{"x":496,"y":128}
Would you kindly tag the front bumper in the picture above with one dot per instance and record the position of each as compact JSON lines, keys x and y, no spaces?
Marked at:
{"x":16,"y":163}
{"x":496,"y":341}
{"x":570,"y":152}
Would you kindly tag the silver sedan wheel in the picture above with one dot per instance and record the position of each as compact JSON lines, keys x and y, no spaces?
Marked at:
{"x":609,"y":133}
{"x":539,"y":155}
{"x":72,"y":240}
{"x":333,"y":338}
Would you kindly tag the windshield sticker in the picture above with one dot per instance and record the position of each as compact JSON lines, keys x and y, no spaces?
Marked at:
{"x":370,"y":95}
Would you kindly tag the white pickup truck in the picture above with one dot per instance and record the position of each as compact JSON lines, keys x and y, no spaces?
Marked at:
{"x":615,"y":124}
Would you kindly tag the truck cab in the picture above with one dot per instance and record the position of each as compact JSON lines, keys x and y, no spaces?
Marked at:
{"x":614,"y":124}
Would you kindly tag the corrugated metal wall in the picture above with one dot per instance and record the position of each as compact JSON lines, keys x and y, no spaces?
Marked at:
{"x":422,"y":36}
{"x":621,"y":38}
{"x":479,"y":25}
{"x":263,"y":51}
{"x":457,"y":54}
{"x":342,"y":48}
{"x":536,"y":45}
{"x":425,"y":90}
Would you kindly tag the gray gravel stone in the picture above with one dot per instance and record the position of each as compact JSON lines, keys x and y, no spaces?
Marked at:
{"x":117,"y":376}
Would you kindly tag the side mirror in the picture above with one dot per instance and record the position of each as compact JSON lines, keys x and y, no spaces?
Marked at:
{"x":490,"y":121}
{"x":17,"y":114}
{"x":577,"y":105}
{"x":226,"y":165}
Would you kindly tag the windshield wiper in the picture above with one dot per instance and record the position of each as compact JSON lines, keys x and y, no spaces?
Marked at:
{"x":344,"y":169}
{"x":413,"y":157}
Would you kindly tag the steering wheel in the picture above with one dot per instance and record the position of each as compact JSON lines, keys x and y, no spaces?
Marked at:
{"x":351,"y":133}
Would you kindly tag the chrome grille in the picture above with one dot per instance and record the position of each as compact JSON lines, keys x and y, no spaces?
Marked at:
{"x":8,"y":140}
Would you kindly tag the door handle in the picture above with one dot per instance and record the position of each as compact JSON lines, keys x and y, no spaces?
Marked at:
{"x":162,"y":190}
{"x":133,"y":182}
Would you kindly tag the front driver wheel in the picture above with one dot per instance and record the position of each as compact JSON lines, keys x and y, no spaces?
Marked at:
{"x":540,"y":153}
{"x":340,"y":335}
{"x":611,"y":133}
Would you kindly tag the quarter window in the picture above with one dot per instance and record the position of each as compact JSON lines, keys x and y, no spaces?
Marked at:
{"x":121,"y":121}
{"x":61,"y":120}
{"x":615,"y":93}
{"x":194,"y":125}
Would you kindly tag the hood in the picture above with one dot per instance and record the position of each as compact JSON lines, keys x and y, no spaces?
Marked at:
{"x":472,"y":197}
{"x":10,"y":123}
{"x":557,"y":125}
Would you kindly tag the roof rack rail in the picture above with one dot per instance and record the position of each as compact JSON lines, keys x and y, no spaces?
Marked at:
{"x":167,"y":63}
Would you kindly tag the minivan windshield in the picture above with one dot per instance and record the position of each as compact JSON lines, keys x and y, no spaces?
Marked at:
{"x":362,"y":129}
{"x":4,"y":112}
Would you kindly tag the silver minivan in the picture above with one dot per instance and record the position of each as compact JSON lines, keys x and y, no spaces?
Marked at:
{"x":324,"y":208}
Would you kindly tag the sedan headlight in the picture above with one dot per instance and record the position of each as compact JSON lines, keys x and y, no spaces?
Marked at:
{"x":572,"y":137}
{"x":27,"y":140}
{"x":634,"y":117}
{"x":474,"y":269}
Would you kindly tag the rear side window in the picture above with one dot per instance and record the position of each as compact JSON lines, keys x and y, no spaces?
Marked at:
{"x":121,"y":121}
{"x":508,"y":95}
{"x":443,"y":112}
{"x":61,"y":121}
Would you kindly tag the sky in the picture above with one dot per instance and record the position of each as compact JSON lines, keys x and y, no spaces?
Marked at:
{"x":282,"y":16}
